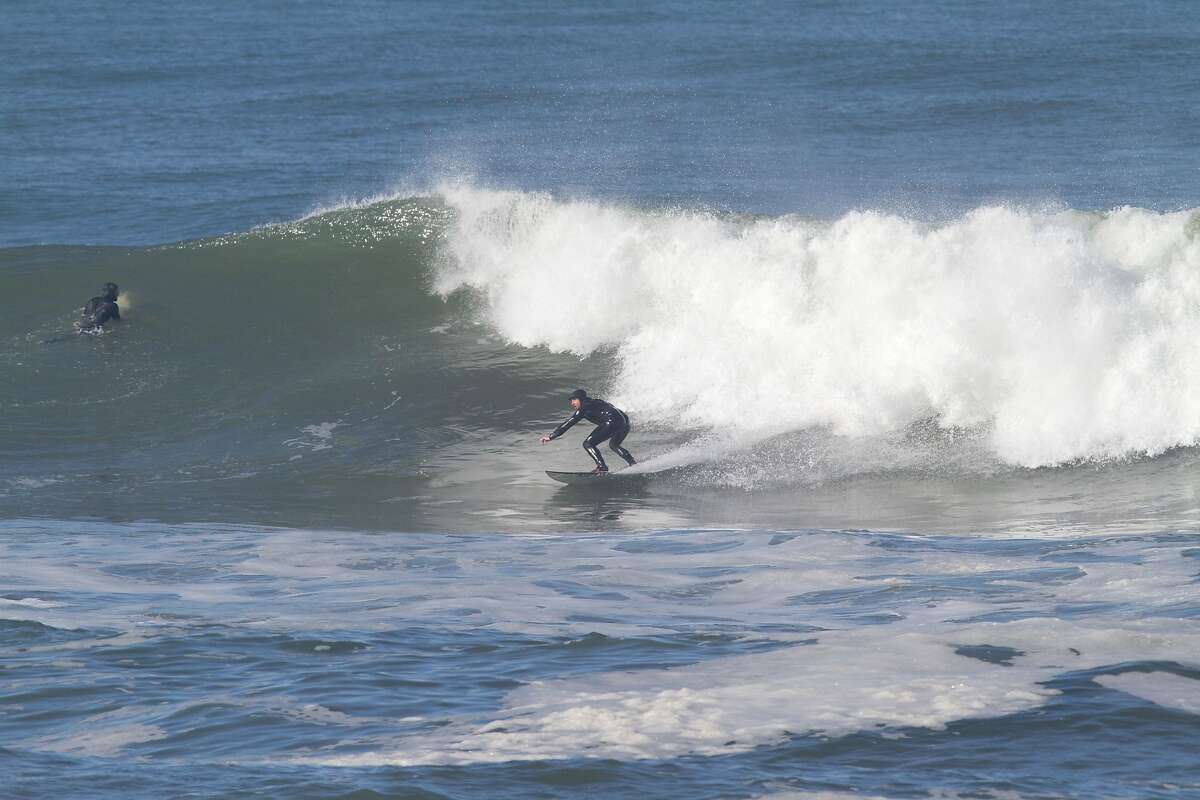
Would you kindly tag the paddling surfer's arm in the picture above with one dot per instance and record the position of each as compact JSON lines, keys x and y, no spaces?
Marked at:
{"x":563,"y":428}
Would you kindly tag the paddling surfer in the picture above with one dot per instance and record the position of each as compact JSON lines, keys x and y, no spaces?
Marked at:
{"x":100,"y":309}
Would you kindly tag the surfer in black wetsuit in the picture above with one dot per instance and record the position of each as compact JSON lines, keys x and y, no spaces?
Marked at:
{"x":99,"y":310}
{"x":611,"y":423}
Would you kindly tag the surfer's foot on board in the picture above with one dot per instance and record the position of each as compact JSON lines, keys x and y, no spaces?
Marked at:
{"x":600,"y":471}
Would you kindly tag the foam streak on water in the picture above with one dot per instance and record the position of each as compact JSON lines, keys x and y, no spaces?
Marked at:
{"x":232,"y":651}
{"x":903,"y":300}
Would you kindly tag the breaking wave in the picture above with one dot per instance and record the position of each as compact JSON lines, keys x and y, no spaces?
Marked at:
{"x":1061,"y":335}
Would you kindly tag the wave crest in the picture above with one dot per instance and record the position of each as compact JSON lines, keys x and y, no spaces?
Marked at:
{"x":1063,"y":335}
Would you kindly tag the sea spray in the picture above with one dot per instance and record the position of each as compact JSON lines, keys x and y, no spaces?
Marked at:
{"x":1065,"y":335}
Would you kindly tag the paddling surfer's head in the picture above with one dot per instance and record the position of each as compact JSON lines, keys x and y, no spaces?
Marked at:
{"x":577,"y":398}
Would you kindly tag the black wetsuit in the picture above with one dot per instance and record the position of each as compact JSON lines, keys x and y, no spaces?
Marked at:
{"x":611,"y":423}
{"x":99,"y":310}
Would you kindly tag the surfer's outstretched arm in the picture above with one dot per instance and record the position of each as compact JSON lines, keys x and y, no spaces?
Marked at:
{"x":563,"y":428}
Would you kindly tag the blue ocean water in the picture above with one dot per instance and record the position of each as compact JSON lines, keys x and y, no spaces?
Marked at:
{"x":902,"y":301}
{"x":150,"y":122}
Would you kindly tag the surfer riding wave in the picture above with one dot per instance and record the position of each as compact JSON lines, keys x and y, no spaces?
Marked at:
{"x":612,"y":424}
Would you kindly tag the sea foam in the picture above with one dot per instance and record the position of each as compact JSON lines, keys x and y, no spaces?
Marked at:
{"x":1057,"y":335}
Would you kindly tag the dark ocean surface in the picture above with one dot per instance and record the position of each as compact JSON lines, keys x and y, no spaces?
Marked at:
{"x":903,"y":303}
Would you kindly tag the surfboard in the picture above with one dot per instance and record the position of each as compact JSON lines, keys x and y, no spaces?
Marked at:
{"x":592,"y":479}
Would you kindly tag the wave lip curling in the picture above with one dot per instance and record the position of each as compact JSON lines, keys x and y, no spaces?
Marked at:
{"x":1062,"y":335}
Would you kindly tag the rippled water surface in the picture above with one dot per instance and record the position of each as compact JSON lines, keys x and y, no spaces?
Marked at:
{"x":712,"y":662}
{"x":902,"y":301}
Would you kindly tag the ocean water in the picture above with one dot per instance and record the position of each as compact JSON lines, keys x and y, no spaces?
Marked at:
{"x":903,"y":303}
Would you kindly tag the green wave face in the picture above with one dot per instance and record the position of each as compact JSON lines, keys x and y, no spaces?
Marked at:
{"x":305,"y":365}
{"x":393,"y":364}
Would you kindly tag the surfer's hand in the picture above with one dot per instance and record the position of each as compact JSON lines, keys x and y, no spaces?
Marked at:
{"x":545,"y":439}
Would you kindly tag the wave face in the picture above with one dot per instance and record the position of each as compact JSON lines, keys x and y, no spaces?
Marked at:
{"x":1065,"y":335}
{"x":405,"y":353}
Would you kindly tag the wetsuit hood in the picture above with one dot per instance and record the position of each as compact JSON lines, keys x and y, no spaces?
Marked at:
{"x":578,"y":394}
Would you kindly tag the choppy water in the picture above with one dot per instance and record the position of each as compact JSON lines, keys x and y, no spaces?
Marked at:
{"x":148,"y":660}
{"x":903,"y":304}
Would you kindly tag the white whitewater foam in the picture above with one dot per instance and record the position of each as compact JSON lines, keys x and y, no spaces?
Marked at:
{"x":320,"y":437}
{"x":792,"y":794}
{"x":33,"y":483}
{"x":1060,"y":334}
{"x":109,"y":741}
{"x":101,"y":735}
{"x":903,"y":675}
{"x":850,"y":681}
{"x":833,"y":672}
{"x":1162,"y":688}
{"x":29,"y":602}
